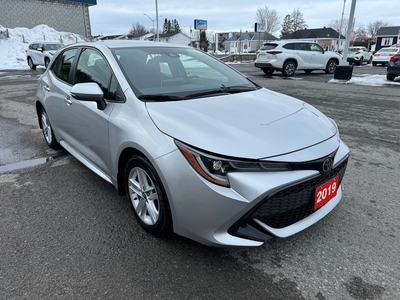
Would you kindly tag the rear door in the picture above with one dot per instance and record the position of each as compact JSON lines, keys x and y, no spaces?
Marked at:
{"x":303,"y":55}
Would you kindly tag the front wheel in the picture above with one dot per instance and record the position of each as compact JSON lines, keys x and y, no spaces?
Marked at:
{"x":390,"y":77}
{"x":48,"y":130}
{"x":147,"y":196}
{"x":331,"y":66}
{"x":289,"y":68}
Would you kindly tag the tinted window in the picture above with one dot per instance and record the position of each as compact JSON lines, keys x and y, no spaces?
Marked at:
{"x":302,"y":46}
{"x":269,"y":46}
{"x":92,"y":67}
{"x":62,"y":66}
{"x":290,"y":46}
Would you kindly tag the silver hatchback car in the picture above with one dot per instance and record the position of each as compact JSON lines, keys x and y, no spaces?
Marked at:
{"x":197,"y":148}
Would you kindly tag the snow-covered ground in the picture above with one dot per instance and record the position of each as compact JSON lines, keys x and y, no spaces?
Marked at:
{"x":12,"y":51}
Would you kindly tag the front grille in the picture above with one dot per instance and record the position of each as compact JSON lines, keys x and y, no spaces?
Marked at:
{"x":294,"y":203}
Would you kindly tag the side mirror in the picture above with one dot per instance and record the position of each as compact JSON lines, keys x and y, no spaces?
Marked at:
{"x":40,"y":49}
{"x":89,"y":91}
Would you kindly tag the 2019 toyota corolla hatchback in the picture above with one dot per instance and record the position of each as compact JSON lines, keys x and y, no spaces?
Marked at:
{"x":197,"y":148}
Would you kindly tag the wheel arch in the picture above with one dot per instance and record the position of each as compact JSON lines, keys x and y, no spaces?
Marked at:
{"x":291,"y":59}
{"x":123,"y":159}
{"x":39,"y":107}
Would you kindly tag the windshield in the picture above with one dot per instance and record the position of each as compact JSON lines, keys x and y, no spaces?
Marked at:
{"x":162,"y":74}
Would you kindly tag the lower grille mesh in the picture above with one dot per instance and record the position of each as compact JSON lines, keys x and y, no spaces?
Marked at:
{"x":294,"y":203}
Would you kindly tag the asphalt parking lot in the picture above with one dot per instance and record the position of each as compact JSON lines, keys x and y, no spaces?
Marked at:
{"x":66,"y":234}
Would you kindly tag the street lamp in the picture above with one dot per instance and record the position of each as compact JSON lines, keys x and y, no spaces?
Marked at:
{"x":152,"y":20}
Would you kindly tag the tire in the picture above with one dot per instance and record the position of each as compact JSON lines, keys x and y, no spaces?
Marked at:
{"x":31,"y":64}
{"x":331,"y":66}
{"x":308,"y":71}
{"x":361,"y":61}
{"x":46,"y":62}
{"x":374,"y":64}
{"x":289,"y":68}
{"x":370,"y":60}
{"x":147,"y":196}
{"x":48,"y":130}
{"x":268,"y":71}
{"x":390,"y":77}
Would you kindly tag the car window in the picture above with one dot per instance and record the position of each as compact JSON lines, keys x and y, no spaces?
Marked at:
{"x":316,"y":47}
{"x":62,"y":66}
{"x":92,"y":67}
{"x":175,"y":71}
{"x":268,"y":46}
{"x":290,"y":46}
{"x":302,"y":46}
{"x":52,"y":46}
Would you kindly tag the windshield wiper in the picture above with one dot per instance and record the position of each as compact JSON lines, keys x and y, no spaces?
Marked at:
{"x":238,"y":89}
{"x":207,"y":93}
{"x":222,"y":90}
{"x":159,"y":97}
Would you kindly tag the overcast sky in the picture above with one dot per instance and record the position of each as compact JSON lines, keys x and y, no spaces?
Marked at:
{"x":111,"y":17}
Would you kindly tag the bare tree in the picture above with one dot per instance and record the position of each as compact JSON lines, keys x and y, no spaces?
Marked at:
{"x":138,"y":29}
{"x":335,"y":24}
{"x":373,"y":27}
{"x":268,"y":19}
{"x":297,"y":19}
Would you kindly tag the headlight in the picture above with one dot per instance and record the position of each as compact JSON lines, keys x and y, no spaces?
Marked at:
{"x":216,"y":169}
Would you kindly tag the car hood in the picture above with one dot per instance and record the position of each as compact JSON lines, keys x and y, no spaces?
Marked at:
{"x":257,"y":124}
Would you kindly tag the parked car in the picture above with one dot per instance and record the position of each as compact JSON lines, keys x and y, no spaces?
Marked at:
{"x":383,"y":55}
{"x":289,"y":56}
{"x":196,"y":147}
{"x":358,"y":55}
{"x":40,"y":53}
{"x":393,"y":68}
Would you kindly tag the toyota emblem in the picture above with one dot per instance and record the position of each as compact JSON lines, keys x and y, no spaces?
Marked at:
{"x":327,"y":165}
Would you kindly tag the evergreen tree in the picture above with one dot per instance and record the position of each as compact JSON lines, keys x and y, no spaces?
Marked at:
{"x":203,"y":41}
{"x":165,"y":26}
{"x":171,"y":26}
{"x":287,"y":26}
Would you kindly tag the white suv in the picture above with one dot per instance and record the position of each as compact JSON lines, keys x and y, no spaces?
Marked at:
{"x":291,"y":55}
{"x":40,"y":53}
{"x":358,"y":55}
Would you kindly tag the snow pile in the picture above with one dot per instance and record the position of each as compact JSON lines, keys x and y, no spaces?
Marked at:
{"x":12,"y":49}
{"x":368,"y":79}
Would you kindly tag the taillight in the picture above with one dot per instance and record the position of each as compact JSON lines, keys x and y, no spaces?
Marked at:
{"x":391,"y":54}
{"x":358,"y":52}
{"x":377,"y":54}
{"x":274,"y":52}
{"x":395,"y":58}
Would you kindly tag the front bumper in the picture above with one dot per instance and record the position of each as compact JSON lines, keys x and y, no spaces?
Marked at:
{"x":256,"y":207}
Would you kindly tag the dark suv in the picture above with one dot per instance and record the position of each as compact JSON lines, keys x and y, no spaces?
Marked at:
{"x":393,"y":68}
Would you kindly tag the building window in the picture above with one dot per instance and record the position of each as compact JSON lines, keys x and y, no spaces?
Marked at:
{"x":387,"y":42}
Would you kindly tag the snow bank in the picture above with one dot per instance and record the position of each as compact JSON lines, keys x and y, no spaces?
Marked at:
{"x":12,"y":49}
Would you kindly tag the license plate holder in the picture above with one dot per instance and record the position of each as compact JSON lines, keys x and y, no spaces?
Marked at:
{"x":325,"y":192}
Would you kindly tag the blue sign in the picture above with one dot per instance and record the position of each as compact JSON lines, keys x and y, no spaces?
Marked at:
{"x":200,"y":24}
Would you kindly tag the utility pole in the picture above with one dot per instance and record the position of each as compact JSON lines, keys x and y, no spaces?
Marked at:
{"x":158,"y":36}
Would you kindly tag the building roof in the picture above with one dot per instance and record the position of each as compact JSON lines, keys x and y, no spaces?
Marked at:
{"x":316,"y":33}
{"x":88,"y":2}
{"x":236,"y":36}
{"x":391,"y":31}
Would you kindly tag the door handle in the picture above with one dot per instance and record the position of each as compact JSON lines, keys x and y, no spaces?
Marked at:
{"x":46,"y":88}
{"x":66,"y":100}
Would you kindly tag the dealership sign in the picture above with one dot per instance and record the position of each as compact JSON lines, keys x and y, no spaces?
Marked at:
{"x":200,"y":24}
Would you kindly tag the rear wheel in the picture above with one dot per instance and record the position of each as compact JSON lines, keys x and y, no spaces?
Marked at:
{"x":31,"y":64}
{"x":390,"y":77}
{"x":331,"y":66}
{"x":361,"y":61}
{"x":289,"y":68}
{"x":147,"y":196}
{"x":374,"y":64}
